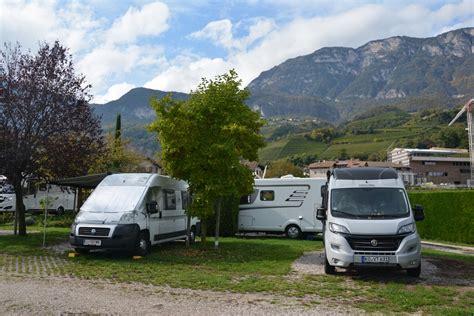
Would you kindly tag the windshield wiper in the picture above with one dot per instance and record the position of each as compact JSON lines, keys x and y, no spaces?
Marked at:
{"x":345,"y":214}
{"x":385,"y":215}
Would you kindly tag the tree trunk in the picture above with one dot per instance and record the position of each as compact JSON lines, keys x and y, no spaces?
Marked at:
{"x":218,"y":222}
{"x":203,"y":231}
{"x":20,"y":207}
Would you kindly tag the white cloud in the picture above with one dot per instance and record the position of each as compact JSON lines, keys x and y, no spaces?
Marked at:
{"x":113,"y":93}
{"x":106,"y":62}
{"x":185,"y":74}
{"x":151,"y":19}
{"x":221,"y":32}
{"x":351,"y":28}
{"x":33,"y":21}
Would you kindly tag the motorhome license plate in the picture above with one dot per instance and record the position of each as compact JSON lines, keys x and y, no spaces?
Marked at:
{"x":374,"y":259}
{"x":92,"y":242}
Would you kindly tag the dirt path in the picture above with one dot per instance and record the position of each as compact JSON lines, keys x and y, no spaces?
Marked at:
{"x":62,"y":295}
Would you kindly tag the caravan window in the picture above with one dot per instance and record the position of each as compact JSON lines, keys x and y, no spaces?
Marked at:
{"x":185,"y":199}
{"x":170,"y":199}
{"x":249,"y":199}
{"x":267,"y":196}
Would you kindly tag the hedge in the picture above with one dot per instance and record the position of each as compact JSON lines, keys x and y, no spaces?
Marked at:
{"x":449,"y":215}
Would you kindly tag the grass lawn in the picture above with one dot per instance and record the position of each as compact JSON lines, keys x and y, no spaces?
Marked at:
{"x":258,"y":265}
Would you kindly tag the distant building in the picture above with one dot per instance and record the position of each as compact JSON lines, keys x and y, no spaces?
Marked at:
{"x":257,"y":170}
{"x":436,"y":165}
{"x":319,"y":169}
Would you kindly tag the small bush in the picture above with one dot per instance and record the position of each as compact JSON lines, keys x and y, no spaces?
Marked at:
{"x":7,"y":217}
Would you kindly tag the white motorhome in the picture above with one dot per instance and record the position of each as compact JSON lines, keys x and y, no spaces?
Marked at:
{"x":284,"y":205}
{"x":60,"y":198}
{"x":368,"y":221}
{"x":131,"y":212}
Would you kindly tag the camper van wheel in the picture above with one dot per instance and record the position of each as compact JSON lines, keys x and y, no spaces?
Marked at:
{"x":328,"y":269}
{"x":415,"y":272}
{"x":143,"y":244}
{"x":60,"y":210}
{"x":293,"y":232}
{"x":82,"y":251}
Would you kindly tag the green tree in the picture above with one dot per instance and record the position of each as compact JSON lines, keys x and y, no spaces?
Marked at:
{"x":283,"y":167}
{"x":117,"y":157}
{"x":203,"y":140}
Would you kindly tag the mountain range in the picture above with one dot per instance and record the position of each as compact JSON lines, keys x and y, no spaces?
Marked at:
{"x":334,"y":84}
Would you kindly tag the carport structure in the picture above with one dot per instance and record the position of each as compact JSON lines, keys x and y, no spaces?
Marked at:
{"x":82,"y":183}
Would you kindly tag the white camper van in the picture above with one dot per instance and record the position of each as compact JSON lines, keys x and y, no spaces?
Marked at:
{"x":368,"y":221}
{"x":131,"y":212}
{"x":60,"y":198}
{"x":285,"y":205}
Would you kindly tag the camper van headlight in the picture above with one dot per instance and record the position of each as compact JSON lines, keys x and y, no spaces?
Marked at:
{"x":338,"y":229}
{"x":128,"y":217}
{"x":407,"y":229}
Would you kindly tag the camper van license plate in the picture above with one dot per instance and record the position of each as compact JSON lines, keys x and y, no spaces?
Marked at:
{"x":92,"y":242}
{"x":374,"y":259}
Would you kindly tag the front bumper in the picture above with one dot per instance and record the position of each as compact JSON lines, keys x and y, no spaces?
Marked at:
{"x":122,"y":237}
{"x":340,"y":254}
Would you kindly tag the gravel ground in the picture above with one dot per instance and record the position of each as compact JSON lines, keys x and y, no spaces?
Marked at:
{"x":60,"y":295}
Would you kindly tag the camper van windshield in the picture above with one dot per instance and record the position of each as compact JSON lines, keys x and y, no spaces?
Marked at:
{"x":369,"y":203}
{"x":113,"y":199}
{"x":126,"y":180}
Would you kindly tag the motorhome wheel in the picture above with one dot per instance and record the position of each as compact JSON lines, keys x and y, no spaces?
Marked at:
{"x":293,"y":232}
{"x":60,"y":210}
{"x":415,"y":272}
{"x":328,"y":269}
{"x":82,"y":250}
{"x":143,"y":244}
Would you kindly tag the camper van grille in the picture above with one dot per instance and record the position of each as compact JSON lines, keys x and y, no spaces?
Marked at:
{"x":374,"y":243}
{"x":94,"y":231}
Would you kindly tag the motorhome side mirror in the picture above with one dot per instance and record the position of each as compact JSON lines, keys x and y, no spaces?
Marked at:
{"x":419,"y":213}
{"x":152,"y":207}
{"x":324,"y":190}
{"x":321,"y":214}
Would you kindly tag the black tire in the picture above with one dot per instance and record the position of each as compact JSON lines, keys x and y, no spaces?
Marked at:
{"x":328,"y":269}
{"x":82,"y":251}
{"x":142,"y":247}
{"x":415,"y":272}
{"x":293,"y":232}
{"x":60,"y":210}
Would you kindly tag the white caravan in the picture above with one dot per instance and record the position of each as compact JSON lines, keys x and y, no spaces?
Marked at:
{"x":368,"y":221}
{"x":284,"y":205}
{"x":131,"y":212}
{"x":60,"y":198}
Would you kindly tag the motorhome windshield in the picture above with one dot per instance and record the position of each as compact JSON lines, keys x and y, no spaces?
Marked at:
{"x":369,"y":203}
{"x":113,"y":199}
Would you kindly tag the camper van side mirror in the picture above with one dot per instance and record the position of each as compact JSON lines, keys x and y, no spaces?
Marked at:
{"x":324,"y":190}
{"x":419,"y":213}
{"x":321,"y":214}
{"x":152,"y":207}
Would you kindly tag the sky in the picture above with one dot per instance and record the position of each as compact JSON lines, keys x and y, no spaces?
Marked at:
{"x":171,"y":45}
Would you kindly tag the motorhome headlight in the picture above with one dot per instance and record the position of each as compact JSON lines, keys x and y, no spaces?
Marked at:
{"x":407,"y":229}
{"x":338,"y":229}
{"x":128,"y":217}
{"x":73,"y":228}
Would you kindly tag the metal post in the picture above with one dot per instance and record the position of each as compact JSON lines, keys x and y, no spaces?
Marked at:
{"x":45,"y":214}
